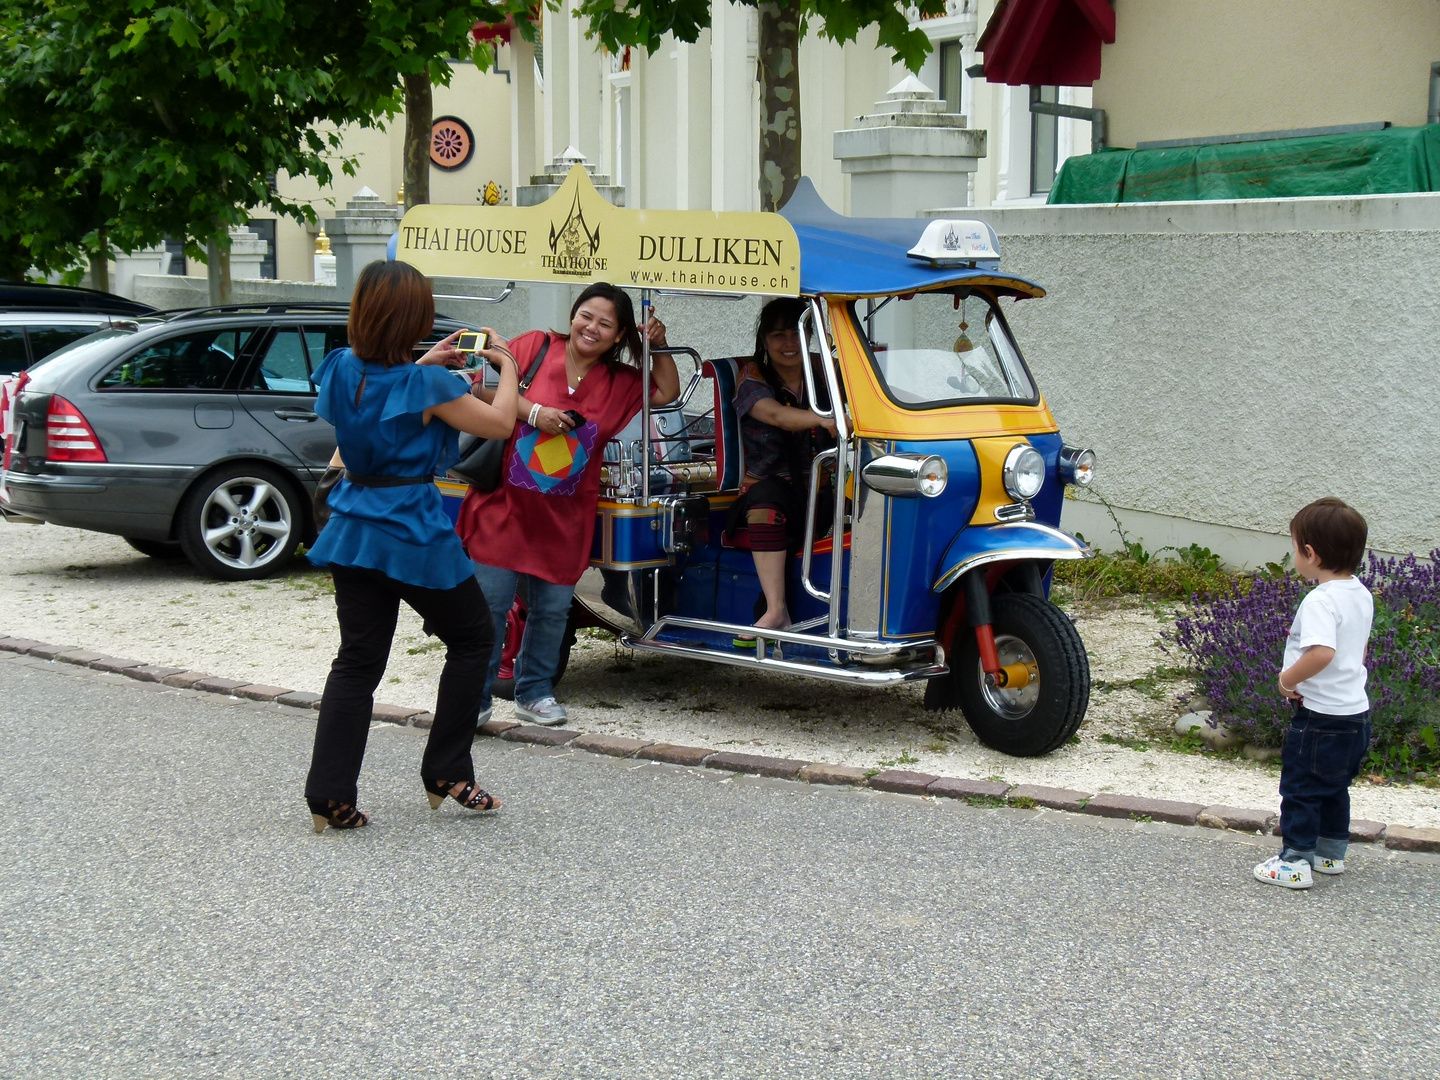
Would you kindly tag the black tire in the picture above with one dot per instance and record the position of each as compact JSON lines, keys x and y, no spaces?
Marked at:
{"x":505,"y":688}
{"x":156,"y":549}
{"x":1042,"y":716}
{"x":259,"y":506}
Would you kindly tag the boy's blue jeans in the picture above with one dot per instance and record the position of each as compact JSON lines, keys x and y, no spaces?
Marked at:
{"x":1322,"y":754}
{"x":548,"y":607}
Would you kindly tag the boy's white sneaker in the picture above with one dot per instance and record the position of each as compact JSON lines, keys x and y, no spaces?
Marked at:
{"x":1288,"y":875}
{"x":1329,"y":866}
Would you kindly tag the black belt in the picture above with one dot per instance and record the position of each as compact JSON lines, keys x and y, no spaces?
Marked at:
{"x":385,"y":481}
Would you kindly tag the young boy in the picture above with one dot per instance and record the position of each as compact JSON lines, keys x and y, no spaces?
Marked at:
{"x":1324,"y":676}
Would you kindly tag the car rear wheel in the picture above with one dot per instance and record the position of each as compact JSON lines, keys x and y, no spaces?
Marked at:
{"x":241,"y":521}
{"x":156,"y":549}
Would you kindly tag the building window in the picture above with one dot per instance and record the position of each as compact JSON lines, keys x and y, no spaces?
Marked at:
{"x":950,"y":74}
{"x":176,"y":248}
{"x":264,"y":228}
{"x":1044,"y":141}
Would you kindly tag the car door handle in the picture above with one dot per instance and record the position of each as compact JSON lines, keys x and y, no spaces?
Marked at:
{"x":304,"y":416}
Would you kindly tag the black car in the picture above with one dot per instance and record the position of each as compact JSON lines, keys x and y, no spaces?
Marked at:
{"x":37,"y":319}
{"x":192,"y":434}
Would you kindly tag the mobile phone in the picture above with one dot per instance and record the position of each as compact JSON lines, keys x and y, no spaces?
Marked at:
{"x":471,"y":342}
{"x":575,"y":418}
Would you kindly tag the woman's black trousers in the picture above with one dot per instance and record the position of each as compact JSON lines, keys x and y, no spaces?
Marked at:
{"x":367,"y":603}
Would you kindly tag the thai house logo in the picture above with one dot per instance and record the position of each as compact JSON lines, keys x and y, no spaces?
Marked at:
{"x":573,"y":245}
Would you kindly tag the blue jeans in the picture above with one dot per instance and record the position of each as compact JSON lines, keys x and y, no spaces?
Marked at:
{"x":1322,"y":754}
{"x":548,"y":605}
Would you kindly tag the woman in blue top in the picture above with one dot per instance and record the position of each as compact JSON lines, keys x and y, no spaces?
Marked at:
{"x":397,"y":423}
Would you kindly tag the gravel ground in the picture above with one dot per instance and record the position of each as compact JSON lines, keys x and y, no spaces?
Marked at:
{"x":90,"y":590}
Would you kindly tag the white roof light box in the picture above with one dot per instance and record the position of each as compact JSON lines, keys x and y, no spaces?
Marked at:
{"x":951,"y":242}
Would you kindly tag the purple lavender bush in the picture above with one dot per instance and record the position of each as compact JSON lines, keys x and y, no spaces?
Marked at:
{"x":1235,"y":640}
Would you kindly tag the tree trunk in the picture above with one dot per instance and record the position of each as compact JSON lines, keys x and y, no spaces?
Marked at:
{"x":217,"y":271}
{"x":779,"y":75}
{"x":100,"y":262}
{"x":419,"y":118}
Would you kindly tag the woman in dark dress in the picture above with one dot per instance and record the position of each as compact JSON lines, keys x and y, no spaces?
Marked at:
{"x":781,"y":435}
{"x":388,"y":538}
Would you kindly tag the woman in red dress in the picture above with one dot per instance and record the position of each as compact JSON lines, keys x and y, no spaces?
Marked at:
{"x":536,"y":527}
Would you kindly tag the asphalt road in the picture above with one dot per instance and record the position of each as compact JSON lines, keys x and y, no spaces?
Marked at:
{"x":165,"y":910}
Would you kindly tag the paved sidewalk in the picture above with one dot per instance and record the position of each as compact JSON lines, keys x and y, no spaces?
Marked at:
{"x":166,"y":911}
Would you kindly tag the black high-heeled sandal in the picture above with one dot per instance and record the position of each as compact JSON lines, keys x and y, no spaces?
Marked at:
{"x":337,"y":815}
{"x":471,"y":796}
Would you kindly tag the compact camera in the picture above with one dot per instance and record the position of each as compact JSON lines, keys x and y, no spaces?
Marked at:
{"x":470,"y":343}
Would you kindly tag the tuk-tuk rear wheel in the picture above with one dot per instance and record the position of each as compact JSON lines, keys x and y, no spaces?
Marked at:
{"x":1039,"y":717}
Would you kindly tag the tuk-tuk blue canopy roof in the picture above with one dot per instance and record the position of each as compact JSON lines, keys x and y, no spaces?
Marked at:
{"x":867,"y":256}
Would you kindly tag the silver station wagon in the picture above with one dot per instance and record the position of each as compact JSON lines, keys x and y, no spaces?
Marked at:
{"x":190,"y":434}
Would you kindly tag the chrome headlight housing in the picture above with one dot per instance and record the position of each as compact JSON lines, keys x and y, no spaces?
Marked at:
{"x":906,"y":474}
{"x":1024,"y":472}
{"x":1077,"y":466}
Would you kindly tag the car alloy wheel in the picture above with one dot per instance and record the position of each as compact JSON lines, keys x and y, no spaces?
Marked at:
{"x":241,"y":522}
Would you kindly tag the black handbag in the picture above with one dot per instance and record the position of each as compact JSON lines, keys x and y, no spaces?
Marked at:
{"x":481,"y":459}
{"x":328,"y":480}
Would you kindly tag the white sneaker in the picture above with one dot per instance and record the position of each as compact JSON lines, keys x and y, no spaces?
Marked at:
{"x":1288,"y":875}
{"x":547,"y":712}
{"x":1329,"y":866}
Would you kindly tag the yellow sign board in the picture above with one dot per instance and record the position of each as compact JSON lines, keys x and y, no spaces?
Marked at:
{"x":576,"y":237}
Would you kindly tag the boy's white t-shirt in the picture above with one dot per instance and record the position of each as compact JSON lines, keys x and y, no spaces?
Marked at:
{"x":1336,"y":614}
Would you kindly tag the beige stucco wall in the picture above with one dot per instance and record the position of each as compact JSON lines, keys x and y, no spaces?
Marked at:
{"x":1191,"y":68}
{"x":1231,"y":361}
{"x":481,"y":99}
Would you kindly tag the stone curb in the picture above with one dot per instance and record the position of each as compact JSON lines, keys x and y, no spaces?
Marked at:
{"x":1126,"y":806}
{"x":898,"y":781}
{"x":756,"y":765}
{"x":1053,"y":798}
{"x":539,"y":736}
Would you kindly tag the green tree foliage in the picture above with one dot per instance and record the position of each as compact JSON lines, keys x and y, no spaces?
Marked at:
{"x":126,"y":121}
{"x":642,"y":23}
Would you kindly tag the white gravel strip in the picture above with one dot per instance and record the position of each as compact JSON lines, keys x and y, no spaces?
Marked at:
{"x":70,"y":587}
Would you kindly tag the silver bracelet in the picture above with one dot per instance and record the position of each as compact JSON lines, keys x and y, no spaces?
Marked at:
{"x":534,"y":412}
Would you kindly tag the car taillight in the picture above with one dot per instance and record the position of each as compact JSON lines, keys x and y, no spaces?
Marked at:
{"x":68,"y":435}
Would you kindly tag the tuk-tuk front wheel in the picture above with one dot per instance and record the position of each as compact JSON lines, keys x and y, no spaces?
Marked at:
{"x":1036,"y":718}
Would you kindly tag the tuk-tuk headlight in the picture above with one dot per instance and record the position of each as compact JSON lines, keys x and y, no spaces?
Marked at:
{"x":1077,"y":466}
{"x":906,"y":474}
{"x":1024,"y":472}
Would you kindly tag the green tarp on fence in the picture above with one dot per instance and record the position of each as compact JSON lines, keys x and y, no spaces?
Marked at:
{"x":1363,"y":163}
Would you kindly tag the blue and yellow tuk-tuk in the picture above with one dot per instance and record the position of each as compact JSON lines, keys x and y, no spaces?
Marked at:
{"x":948,"y":471}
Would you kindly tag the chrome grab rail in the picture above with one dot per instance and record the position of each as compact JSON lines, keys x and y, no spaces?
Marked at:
{"x":816,"y":319}
{"x":808,"y":552}
{"x":646,"y":308}
{"x":504,"y":293}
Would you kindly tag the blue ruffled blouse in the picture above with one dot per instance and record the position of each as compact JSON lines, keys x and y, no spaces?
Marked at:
{"x":401,"y":531}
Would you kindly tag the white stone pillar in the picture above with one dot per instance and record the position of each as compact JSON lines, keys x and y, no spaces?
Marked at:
{"x":910,"y":155}
{"x":324,"y":260}
{"x":247,"y":252}
{"x":360,"y":234}
{"x":149,"y":260}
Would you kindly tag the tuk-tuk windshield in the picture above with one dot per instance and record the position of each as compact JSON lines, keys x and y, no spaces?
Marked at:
{"x":938,"y":349}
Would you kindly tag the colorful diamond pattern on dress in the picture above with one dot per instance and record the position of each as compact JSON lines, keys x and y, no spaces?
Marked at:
{"x":551,"y":464}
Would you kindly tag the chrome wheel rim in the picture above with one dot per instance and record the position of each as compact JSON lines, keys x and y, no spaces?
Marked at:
{"x":246,"y":522}
{"x":1012,"y":704}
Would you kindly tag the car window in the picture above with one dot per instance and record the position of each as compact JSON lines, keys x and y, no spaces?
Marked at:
{"x":44,"y":340}
{"x":321,"y":341}
{"x":284,"y":368}
{"x":13,"y":357}
{"x":201,"y":361}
